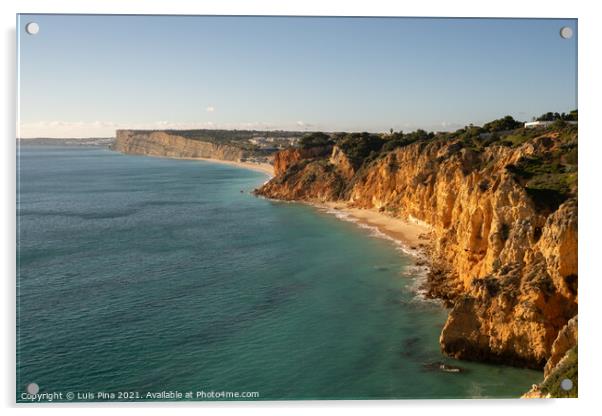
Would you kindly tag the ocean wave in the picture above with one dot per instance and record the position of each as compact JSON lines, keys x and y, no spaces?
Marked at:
{"x":417,"y":285}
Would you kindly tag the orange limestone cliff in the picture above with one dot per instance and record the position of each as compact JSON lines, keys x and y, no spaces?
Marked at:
{"x":504,"y":230}
{"x":284,"y":159}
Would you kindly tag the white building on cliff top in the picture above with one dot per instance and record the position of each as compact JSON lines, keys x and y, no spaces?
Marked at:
{"x":534,"y":124}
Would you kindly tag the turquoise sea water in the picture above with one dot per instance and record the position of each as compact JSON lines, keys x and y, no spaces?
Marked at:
{"x":144,"y":275}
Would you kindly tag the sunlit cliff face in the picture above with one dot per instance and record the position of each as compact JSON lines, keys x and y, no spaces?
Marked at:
{"x":505,"y":259}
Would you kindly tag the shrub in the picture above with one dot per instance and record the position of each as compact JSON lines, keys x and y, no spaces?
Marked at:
{"x":549,"y":116}
{"x":501,"y":124}
{"x":546,"y":180}
{"x":400,"y":140}
{"x":316,"y":139}
{"x":360,"y":146}
{"x":567,"y":369}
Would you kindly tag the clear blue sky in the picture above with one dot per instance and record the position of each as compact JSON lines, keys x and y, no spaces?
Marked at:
{"x":83,"y":76}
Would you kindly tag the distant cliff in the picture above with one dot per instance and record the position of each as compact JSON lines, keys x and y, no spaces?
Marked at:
{"x":169,"y":144}
{"x":503,"y":211}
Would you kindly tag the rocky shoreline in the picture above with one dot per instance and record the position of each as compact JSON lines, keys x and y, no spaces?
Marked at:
{"x":503,"y":249}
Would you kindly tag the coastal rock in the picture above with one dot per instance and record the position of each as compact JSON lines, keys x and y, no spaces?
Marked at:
{"x":443,"y":367}
{"x":317,"y":182}
{"x":560,"y":381}
{"x":558,"y":245}
{"x":286,"y":158}
{"x":566,"y":339}
{"x":512,"y":263}
{"x":342,"y":163}
{"x":536,"y":393}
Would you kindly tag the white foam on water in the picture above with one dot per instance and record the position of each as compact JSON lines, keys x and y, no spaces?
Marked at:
{"x":418,"y":283}
{"x":418,"y":274}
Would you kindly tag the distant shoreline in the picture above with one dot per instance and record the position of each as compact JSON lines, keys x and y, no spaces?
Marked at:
{"x":259,"y":167}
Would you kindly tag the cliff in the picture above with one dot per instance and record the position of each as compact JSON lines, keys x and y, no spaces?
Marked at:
{"x":284,"y":159}
{"x":160,"y":143}
{"x":503,"y":215}
{"x":562,"y":365}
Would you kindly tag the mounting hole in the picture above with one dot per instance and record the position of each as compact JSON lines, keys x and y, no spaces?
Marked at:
{"x":32,"y":28}
{"x":566,"y":384}
{"x":32,"y":388}
{"x":566,"y":32}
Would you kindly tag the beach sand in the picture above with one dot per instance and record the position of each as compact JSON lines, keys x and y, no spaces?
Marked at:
{"x":260,"y":167}
{"x":266,"y":168}
{"x":411,"y":234}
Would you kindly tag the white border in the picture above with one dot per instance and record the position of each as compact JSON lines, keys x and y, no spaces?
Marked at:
{"x":590,"y":179}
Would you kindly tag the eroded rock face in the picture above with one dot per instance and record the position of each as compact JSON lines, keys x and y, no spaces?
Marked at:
{"x":519,"y":307}
{"x":303,"y":174}
{"x":515,"y":265}
{"x":305,"y":181}
{"x":159,"y":143}
{"x":563,"y":365}
{"x":507,"y":265}
{"x":566,"y":339}
{"x":342,"y":163}
{"x":286,"y":158}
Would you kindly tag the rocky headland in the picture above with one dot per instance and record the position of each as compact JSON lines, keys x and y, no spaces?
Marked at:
{"x":500,"y":202}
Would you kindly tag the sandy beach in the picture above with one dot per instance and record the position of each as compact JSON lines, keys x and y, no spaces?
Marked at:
{"x":409,"y":233}
{"x":260,"y":167}
{"x":266,"y":168}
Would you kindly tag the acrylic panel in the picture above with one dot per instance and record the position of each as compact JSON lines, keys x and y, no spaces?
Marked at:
{"x":295,"y":208}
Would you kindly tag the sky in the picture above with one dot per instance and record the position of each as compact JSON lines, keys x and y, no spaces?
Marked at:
{"x":86,"y":76}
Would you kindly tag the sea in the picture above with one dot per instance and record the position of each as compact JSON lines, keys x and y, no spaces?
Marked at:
{"x":142,"y":278}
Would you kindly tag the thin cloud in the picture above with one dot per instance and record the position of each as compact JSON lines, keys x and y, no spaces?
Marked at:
{"x":210,"y":109}
{"x":303,"y":124}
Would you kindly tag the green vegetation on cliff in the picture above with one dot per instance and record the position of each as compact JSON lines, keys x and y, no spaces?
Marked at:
{"x":502,"y":124}
{"x":549,"y":180}
{"x":572,"y":116}
{"x":360,"y":146}
{"x":399,"y":139}
{"x":567,"y":369}
{"x":317,"y":139}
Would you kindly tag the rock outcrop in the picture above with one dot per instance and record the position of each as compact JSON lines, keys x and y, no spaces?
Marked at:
{"x":504,"y":254}
{"x":343,"y":164}
{"x":566,"y":340}
{"x":561,"y":370}
{"x":286,"y":158}
{"x":299,"y":183}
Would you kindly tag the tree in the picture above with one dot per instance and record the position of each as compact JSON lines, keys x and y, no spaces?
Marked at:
{"x":572,"y":116}
{"x":359,"y":146}
{"x":317,"y":139}
{"x":549,"y":116}
{"x":400,"y":140}
{"x":502,"y":124}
